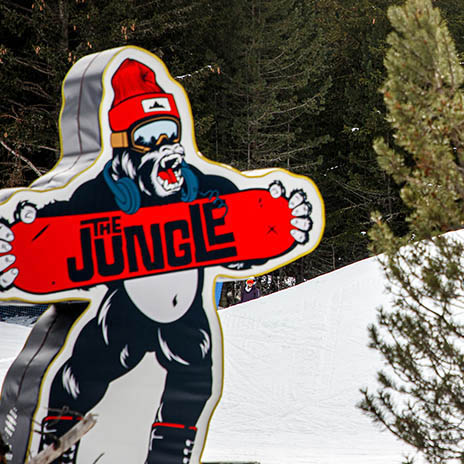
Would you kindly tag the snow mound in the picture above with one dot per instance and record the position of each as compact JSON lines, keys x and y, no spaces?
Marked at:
{"x":294,"y":364}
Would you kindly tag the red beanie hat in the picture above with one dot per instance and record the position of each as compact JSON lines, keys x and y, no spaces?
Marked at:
{"x":137,"y":96}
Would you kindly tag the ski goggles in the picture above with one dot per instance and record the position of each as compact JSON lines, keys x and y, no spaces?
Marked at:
{"x":147,"y":135}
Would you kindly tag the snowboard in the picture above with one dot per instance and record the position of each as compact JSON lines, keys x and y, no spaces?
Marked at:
{"x":61,"y":253}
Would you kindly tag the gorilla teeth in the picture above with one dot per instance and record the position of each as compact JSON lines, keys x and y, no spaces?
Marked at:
{"x":173,"y":159}
{"x":169,"y":175}
{"x":172,"y":186}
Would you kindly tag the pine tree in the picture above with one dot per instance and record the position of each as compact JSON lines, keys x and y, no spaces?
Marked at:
{"x":272,"y":88}
{"x":419,"y":396}
{"x":350,"y":179}
{"x":270,"y":83}
{"x":40,"y":40}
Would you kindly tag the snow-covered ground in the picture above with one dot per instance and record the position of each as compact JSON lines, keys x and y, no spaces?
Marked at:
{"x":294,"y":364}
{"x":12,"y":338}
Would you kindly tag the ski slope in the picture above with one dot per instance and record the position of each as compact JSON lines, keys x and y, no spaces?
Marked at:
{"x":294,"y":362}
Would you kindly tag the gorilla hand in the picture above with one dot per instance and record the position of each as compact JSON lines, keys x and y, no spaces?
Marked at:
{"x":301,"y":210}
{"x":25,"y":212}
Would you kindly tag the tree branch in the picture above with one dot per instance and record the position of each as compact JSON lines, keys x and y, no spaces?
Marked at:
{"x":21,"y":157}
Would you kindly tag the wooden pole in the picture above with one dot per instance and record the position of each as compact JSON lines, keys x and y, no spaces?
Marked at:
{"x":65,"y":442}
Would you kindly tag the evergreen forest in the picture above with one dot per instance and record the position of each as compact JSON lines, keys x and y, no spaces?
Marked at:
{"x":272,"y":83}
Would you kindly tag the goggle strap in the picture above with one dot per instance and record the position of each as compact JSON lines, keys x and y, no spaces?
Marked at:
{"x":119,"y":140}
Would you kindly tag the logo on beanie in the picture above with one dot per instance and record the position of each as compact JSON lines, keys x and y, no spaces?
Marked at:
{"x":156,"y":104}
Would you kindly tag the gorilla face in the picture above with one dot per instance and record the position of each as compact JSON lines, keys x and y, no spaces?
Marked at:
{"x":156,"y":173}
{"x":163,"y":167}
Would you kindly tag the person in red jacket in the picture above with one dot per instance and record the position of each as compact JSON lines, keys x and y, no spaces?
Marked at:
{"x":250,"y":291}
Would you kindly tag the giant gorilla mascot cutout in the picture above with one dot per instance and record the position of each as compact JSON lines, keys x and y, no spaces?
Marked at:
{"x":125,"y":238}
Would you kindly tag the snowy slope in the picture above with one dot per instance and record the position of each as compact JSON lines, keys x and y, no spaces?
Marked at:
{"x":294,"y":363}
{"x":12,"y":338}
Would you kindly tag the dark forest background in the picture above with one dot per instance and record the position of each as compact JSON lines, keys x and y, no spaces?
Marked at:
{"x":272,"y":83}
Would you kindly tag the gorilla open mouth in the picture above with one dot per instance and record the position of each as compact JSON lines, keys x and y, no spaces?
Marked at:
{"x":169,"y":174}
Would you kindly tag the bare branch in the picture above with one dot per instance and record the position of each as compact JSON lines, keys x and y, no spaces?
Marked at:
{"x":33,"y":66}
{"x":21,"y":157}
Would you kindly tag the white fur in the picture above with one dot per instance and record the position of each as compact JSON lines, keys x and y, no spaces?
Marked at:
{"x":70,"y":383}
{"x":205,"y":345}
{"x":123,"y":356}
{"x":102,"y":317}
{"x":168,"y":353}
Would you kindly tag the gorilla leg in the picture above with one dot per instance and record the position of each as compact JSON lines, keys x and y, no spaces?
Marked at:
{"x":108,"y":346}
{"x":184,"y":350}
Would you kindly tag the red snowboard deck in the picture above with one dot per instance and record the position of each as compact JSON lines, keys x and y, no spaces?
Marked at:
{"x":60,"y":253}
